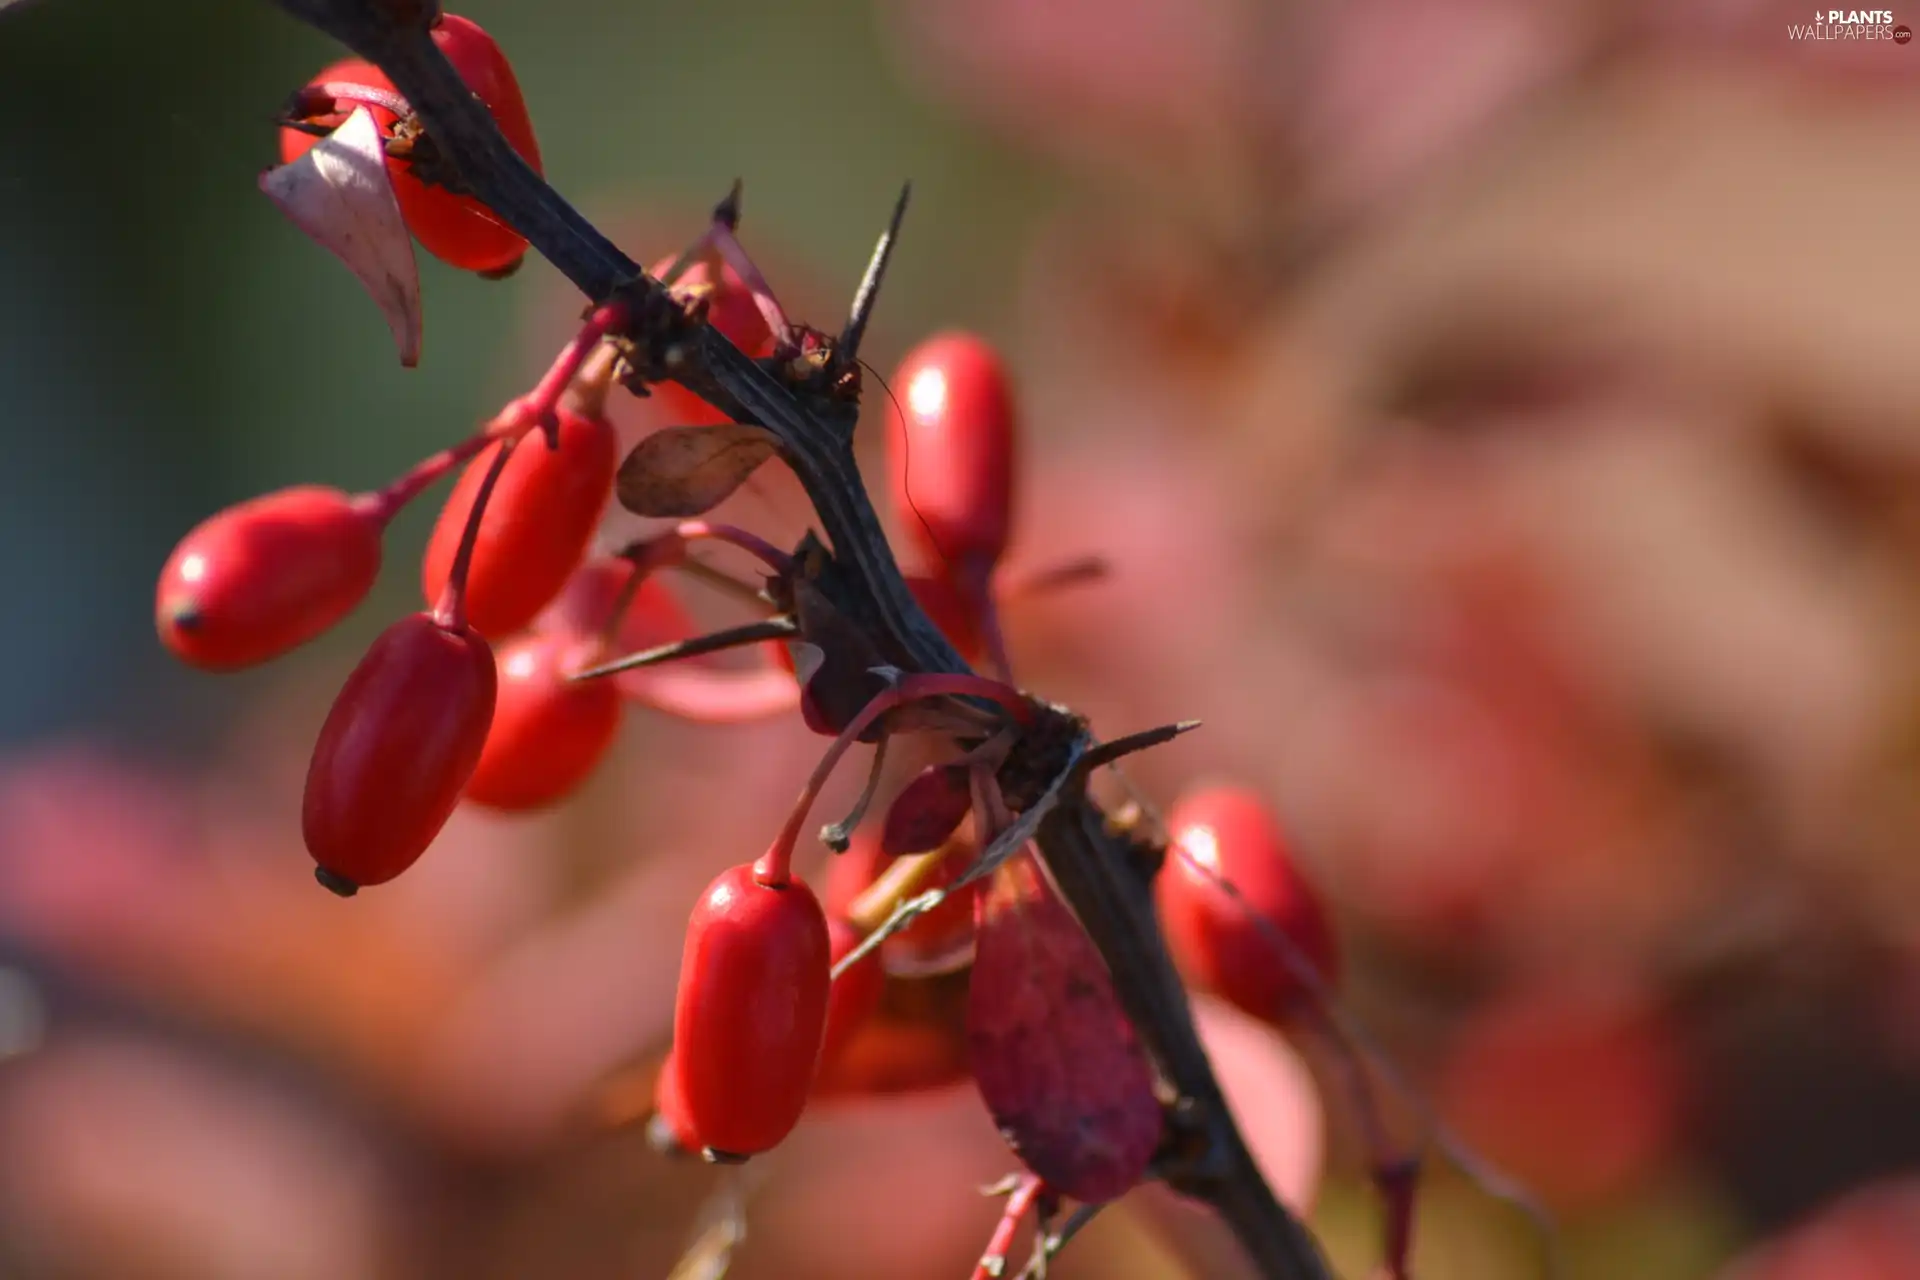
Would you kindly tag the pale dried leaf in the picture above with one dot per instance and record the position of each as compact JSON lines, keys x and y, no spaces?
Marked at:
{"x":340,"y":194}
{"x":687,"y":471}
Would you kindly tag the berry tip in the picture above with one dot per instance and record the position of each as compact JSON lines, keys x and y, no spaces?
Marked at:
{"x":335,"y":883}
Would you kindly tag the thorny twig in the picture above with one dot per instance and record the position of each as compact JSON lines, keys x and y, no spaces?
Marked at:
{"x":1104,"y":885}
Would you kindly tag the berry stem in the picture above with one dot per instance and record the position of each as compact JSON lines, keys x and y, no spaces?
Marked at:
{"x":977,"y":587}
{"x":384,"y":504}
{"x":451,"y":611}
{"x":772,"y":868}
{"x":1027,"y":1196}
{"x":536,"y":408}
{"x":768,"y":554}
{"x":325,"y":99}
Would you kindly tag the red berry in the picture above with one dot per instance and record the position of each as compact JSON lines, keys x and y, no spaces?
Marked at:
{"x":751,"y":1009}
{"x":730,"y":305}
{"x":950,"y":460}
{"x":1217,"y":941}
{"x":266,"y":576}
{"x":536,"y":527}
{"x":456,"y":229}
{"x":855,"y":994}
{"x":401,"y":741}
{"x":731,"y":310}
{"x":548,"y":731}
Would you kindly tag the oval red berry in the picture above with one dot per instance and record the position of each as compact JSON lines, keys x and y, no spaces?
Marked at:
{"x":1219,"y":943}
{"x":400,"y":743}
{"x":950,"y":454}
{"x":535,"y":530}
{"x":549,"y":732}
{"x":751,"y":1010}
{"x":457,"y":229}
{"x":266,"y":576}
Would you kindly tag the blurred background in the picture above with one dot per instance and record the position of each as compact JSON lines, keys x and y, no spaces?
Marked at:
{"x":1501,"y":417}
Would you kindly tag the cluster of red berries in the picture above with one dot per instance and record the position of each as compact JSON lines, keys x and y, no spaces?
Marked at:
{"x":497,"y":692}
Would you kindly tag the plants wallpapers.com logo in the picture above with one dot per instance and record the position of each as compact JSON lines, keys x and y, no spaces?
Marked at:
{"x":1851,"y":24}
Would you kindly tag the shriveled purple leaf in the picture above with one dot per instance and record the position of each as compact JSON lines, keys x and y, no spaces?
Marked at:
{"x":1056,"y":1060}
{"x":927,"y":810}
{"x":341,"y":195}
{"x":688,"y":471}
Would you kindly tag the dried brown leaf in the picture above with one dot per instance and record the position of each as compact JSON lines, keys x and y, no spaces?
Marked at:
{"x":687,"y":471}
{"x":341,"y":195}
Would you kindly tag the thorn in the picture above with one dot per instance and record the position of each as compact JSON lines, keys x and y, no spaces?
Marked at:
{"x":847,"y":349}
{"x":1108,"y":752}
{"x":732,"y":638}
{"x":727,"y":212}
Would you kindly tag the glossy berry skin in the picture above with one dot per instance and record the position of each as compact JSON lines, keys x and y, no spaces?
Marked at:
{"x":950,"y":455}
{"x":536,"y":527}
{"x":855,"y":994}
{"x":266,"y":576}
{"x":548,"y":732}
{"x":751,"y":1010}
{"x":401,"y":742}
{"x":1214,"y":939}
{"x":456,"y":229}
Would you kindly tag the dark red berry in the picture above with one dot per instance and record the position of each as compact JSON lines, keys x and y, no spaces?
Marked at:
{"x":266,"y":576}
{"x":950,"y":456}
{"x":401,"y":741}
{"x":1219,"y":943}
{"x":751,"y":1010}
{"x":535,"y":530}
{"x":548,"y":731}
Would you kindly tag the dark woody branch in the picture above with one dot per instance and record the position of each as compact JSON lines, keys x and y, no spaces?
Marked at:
{"x":1098,"y":872}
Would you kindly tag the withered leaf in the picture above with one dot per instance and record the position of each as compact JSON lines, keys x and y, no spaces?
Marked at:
{"x":688,"y":471}
{"x":340,"y":194}
{"x":1057,"y":1063}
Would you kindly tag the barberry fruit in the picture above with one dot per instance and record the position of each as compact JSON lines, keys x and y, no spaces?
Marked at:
{"x":548,"y":731}
{"x":536,"y":527}
{"x":457,"y":229}
{"x":950,"y":457}
{"x":266,"y":576}
{"x":398,"y":746}
{"x":751,"y":1009}
{"x":1227,"y":946}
